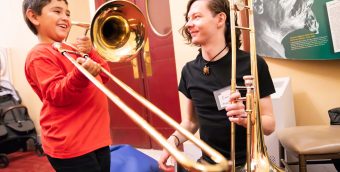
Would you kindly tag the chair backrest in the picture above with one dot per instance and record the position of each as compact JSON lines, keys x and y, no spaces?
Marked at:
{"x":334,"y":115}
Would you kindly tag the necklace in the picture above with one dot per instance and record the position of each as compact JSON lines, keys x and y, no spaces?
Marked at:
{"x":206,"y":70}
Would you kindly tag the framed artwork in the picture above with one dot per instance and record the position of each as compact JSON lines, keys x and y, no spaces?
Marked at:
{"x":297,"y":29}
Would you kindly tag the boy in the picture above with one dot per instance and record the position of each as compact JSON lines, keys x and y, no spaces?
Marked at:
{"x":74,"y":119}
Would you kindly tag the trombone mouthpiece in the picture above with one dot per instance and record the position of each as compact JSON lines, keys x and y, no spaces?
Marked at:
{"x":80,"y":24}
{"x":57,"y":46}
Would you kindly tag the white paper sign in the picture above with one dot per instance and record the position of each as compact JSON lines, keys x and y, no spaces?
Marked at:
{"x":333,"y":8}
{"x":222,"y":97}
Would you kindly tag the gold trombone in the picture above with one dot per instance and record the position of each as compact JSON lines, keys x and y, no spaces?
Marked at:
{"x":257,"y":156}
{"x":118,"y":33}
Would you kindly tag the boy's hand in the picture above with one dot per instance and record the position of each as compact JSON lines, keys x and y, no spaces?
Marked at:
{"x":84,"y":44}
{"x":90,"y":65}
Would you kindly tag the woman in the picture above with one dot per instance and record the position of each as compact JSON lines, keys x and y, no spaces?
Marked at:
{"x":207,"y":26}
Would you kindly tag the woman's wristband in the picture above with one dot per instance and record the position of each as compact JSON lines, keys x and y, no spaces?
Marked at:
{"x":178,"y":142}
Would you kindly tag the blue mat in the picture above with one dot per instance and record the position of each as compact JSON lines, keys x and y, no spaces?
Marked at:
{"x":125,"y":158}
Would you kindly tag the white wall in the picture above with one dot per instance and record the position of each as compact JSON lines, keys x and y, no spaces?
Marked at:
{"x":15,"y":35}
{"x":311,"y":80}
{"x":183,"y":52}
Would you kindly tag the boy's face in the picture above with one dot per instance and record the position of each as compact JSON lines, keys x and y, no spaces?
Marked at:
{"x":54,"y":23}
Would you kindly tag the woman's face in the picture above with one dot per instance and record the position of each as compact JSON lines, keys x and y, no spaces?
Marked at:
{"x":201,"y":24}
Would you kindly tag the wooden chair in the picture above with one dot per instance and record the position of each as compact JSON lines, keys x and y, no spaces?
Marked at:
{"x":310,"y":144}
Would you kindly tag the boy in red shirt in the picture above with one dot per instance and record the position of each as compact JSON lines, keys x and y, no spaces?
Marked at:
{"x":74,"y":119}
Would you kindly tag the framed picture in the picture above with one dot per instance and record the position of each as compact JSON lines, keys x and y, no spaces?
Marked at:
{"x":297,"y":29}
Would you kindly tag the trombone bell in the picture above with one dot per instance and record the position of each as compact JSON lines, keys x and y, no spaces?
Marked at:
{"x":118,"y":31}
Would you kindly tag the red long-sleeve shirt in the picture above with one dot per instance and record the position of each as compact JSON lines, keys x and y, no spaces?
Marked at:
{"x":74,"y":117}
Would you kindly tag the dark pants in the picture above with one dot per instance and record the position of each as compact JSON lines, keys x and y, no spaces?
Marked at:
{"x":336,"y":163}
{"x":96,"y":161}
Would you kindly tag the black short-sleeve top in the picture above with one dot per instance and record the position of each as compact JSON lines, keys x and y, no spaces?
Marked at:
{"x":214,"y":124}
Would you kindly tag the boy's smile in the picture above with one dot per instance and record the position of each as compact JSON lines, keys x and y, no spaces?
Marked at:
{"x":54,"y":23}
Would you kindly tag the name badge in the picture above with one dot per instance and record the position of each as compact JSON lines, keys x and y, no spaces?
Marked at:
{"x":222,"y":97}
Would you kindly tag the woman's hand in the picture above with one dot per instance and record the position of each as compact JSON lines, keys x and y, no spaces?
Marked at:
{"x":236,"y":111}
{"x":166,"y":155}
{"x":162,"y":162}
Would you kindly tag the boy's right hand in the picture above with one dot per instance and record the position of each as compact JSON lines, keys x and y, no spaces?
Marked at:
{"x":90,"y":65}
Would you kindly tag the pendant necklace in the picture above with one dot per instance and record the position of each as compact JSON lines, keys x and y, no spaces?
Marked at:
{"x":206,"y":70}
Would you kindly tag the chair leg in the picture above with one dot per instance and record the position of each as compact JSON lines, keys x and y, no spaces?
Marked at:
{"x":302,"y":164}
{"x":281,"y":154}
